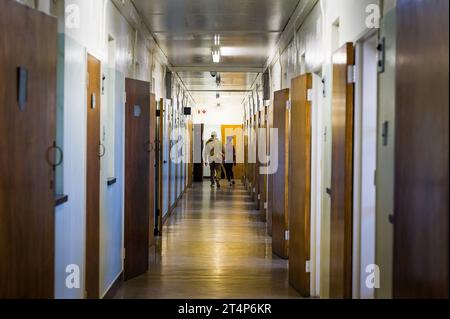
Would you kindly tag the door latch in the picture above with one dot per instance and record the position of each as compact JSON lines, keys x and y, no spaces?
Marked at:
{"x":381,"y":48}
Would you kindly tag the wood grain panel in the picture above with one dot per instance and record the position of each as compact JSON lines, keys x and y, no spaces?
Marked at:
{"x":137,"y":172}
{"x":256,"y":126}
{"x":280,"y":178}
{"x":300,"y":183}
{"x":421,"y":250}
{"x":263,"y":177}
{"x":342,"y":175}
{"x":160,"y":164}
{"x":246,"y":154}
{"x":28,"y":39}
{"x":152,"y":167}
{"x":93,"y":179}
{"x":270,"y":176}
{"x":190,"y":169}
{"x":251,"y":170}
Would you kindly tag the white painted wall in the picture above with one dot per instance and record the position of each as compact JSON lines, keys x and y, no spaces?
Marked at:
{"x":365,"y":144}
{"x":100,"y":20}
{"x":311,"y":50}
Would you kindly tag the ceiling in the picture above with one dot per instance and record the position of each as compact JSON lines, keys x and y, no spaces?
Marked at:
{"x":185,"y":30}
{"x":229,"y":81}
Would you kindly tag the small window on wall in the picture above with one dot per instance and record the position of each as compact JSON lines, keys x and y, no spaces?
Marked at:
{"x":108,"y":136}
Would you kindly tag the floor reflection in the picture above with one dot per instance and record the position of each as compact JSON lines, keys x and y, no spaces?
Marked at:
{"x":214,"y":245}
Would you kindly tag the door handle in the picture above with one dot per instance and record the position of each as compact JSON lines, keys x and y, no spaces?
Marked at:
{"x":61,"y":156}
{"x":329,"y":192}
{"x":102,"y":150}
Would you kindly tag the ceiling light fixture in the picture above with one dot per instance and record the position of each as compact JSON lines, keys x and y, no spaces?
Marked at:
{"x":215,"y":51}
{"x":217,"y":39}
{"x":216,"y":55}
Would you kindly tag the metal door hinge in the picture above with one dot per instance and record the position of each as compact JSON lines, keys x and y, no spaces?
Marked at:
{"x":125,"y":98}
{"x":265,"y":205}
{"x":351,"y":74}
{"x":286,"y":235}
{"x":93,"y":101}
{"x":259,"y":196}
{"x":308,"y":266}
{"x":123,"y":253}
{"x":385,"y":133}
{"x":288,"y":105}
{"x":381,"y":48}
{"x":324,"y":87}
{"x":309,"y":95}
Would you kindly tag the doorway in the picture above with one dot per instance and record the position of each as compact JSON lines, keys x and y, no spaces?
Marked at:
{"x":364,"y":165}
{"x":137,"y":178}
{"x":28,"y":152}
{"x":341,"y":191}
{"x":95,"y":150}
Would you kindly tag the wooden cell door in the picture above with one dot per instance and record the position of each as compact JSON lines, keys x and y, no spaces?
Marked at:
{"x":190,"y":165}
{"x":251,"y":156}
{"x":256,"y":193}
{"x":160,"y":167}
{"x":94,"y":151}
{"x":262,"y":180}
{"x":246,"y":165}
{"x":152,"y":169}
{"x":342,"y":174}
{"x":300,"y":183}
{"x":137,"y":172}
{"x":28,"y":56}
{"x":269,"y":176}
{"x":280,"y":179}
{"x":421,"y":205}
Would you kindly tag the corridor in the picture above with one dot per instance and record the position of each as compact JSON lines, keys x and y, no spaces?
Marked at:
{"x":331,"y":116}
{"x":214,"y":245}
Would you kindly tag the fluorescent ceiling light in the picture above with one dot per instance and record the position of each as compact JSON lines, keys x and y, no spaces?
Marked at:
{"x":216,"y":55}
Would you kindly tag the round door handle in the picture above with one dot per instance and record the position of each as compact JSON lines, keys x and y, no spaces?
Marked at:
{"x":61,"y":156}
{"x":102,"y":150}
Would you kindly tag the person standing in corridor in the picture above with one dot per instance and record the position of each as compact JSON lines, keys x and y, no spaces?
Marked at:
{"x":213,"y":155}
{"x":230,"y":160}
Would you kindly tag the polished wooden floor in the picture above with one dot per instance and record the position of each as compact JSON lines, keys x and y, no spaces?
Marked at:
{"x":214,"y":245}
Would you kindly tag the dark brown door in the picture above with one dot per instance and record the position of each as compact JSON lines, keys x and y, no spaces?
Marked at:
{"x":421,"y":156}
{"x":137,"y":172}
{"x":256,"y":193}
{"x":342,"y":174}
{"x":263,"y":177}
{"x":198,"y":143}
{"x":269,"y":176}
{"x":152,"y":167}
{"x":28,"y":131}
{"x":94,"y":152}
{"x":251,"y":160}
{"x":280,"y":178}
{"x":300,"y":183}
{"x":160,"y":165}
